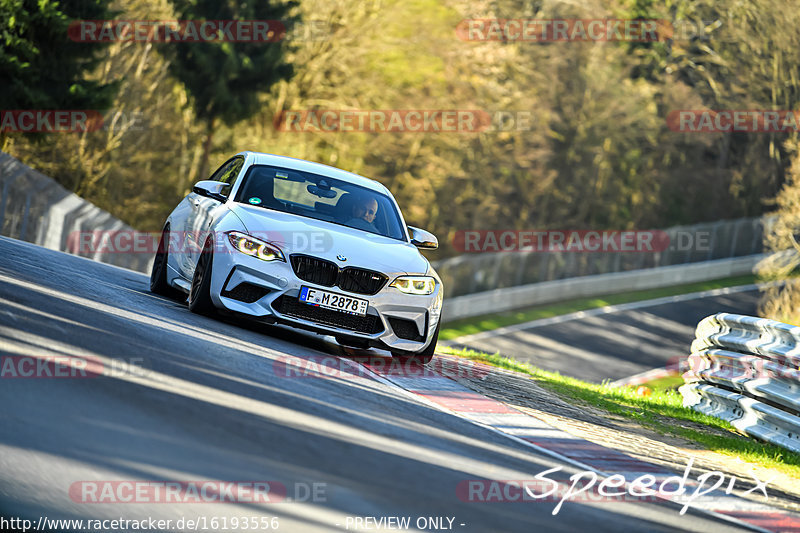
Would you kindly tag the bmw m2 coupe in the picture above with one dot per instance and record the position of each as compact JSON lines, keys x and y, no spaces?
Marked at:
{"x":305,"y":245}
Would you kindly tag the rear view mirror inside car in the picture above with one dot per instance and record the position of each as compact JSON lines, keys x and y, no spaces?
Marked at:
{"x":322,"y":193}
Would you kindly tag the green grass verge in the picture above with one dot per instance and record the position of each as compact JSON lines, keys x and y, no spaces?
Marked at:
{"x":670,"y":383}
{"x":467,"y":326}
{"x":662,"y":412}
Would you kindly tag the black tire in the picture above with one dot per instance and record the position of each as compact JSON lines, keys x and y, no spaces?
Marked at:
{"x":422,"y":357}
{"x":158,"y":275}
{"x":200,"y":293}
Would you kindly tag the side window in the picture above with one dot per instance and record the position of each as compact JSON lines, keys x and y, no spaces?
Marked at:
{"x":232,"y":171}
{"x":228,"y":173}
{"x":220,"y":172}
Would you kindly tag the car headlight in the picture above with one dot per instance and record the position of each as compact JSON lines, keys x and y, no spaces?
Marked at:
{"x":415,"y":284}
{"x":255,"y":247}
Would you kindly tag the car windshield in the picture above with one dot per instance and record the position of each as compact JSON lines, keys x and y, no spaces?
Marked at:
{"x":321,"y":198}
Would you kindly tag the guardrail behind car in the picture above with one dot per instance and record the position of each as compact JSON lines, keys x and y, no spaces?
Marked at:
{"x":475,"y":273}
{"x":744,"y":370}
{"x":34,"y":208}
{"x":510,"y":298}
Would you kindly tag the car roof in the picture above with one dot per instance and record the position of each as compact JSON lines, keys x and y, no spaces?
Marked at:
{"x":315,"y":168}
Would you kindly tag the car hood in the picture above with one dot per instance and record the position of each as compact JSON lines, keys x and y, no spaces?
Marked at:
{"x":297,"y":234}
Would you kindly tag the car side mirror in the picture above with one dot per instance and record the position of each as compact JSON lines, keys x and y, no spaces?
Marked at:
{"x":211,"y":189}
{"x":423,"y":239}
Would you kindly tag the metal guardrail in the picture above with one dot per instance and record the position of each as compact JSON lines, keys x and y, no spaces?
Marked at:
{"x":508,"y":299}
{"x":746,"y":370}
{"x":480,"y":272}
{"x":34,"y":208}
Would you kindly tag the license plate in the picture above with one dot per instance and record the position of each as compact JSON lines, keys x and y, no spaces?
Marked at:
{"x":335,"y":301}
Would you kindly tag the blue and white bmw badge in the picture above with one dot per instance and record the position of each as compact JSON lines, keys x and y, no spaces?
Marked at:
{"x":340,"y":257}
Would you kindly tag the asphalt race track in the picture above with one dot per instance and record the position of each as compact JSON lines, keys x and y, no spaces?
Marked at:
{"x":617,"y":343}
{"x":184,"y":397}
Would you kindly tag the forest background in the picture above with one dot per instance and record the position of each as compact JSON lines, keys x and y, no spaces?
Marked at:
{"x":597,"y":153}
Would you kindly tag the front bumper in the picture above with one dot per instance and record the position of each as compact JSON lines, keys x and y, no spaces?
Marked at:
{"x":270,"y":290}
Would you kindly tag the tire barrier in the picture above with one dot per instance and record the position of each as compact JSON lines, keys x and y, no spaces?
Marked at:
{"x":744,"y":370}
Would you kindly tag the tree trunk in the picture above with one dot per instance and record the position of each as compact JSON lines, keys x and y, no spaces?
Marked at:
{"x":203,"y":172}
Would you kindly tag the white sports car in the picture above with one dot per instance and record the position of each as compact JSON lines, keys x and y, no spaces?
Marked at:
{"x":306,"y":245}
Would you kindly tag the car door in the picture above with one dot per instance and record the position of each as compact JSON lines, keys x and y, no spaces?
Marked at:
{"x":203,"y":208}
{"x":187,"y":255}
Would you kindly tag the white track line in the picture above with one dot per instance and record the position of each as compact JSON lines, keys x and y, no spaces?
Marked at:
{"x":602,"y":311}
{"x":541,"y":450}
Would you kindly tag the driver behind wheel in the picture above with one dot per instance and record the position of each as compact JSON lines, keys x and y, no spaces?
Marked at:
{"x":365,"y":208}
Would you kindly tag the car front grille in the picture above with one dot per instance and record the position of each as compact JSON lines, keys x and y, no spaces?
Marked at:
{"x":291,"y":306}
{"x":406,"y":329}
{"x":327,"y":273}
{"x":315,"y":270}
{"x":361,"y":281}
